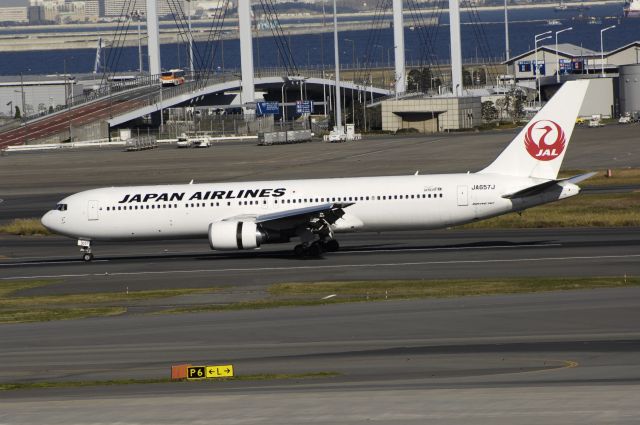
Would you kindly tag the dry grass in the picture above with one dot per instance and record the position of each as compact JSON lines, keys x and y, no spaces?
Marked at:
{"x":586,"y":210}
{"x":446,"y":288}
{"x":15,"y":309}
{"x":25,"y":227}
{"x":314,"y":293}
{"x":620,"y":177}
{"x":79,"y":384}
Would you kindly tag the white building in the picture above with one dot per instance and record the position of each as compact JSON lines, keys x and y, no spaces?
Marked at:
{"x":572,"y":60}
{"x":115,"y":8}
{"x":14,"y":11}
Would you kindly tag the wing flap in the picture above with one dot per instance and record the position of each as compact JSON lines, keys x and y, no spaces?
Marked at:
{"x":330,"y":212}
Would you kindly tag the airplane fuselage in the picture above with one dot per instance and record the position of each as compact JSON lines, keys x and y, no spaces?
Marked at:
{"x":378,"y":204}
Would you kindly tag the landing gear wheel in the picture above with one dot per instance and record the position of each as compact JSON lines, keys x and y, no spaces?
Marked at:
{"x":315,"y":250}
{"x":332,"y":245}
{"x":87,"y":256}
{"x":299,"y":251}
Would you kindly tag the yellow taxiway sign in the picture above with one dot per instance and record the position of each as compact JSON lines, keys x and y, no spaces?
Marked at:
{"x":206,"y":372}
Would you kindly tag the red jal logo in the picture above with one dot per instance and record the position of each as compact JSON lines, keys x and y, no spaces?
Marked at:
{"x":545,"y":140}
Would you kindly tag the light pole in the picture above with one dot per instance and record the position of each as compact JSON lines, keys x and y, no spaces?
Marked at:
{"x":191,"y":68}
{"x":22,"y":115}
{"x":539,"y":37}
{"x":506,"y":30}
{"x":138,"y":17}
{"x":282,"y":101}
{"x":602,"y":47}
{"x":557,"y":55}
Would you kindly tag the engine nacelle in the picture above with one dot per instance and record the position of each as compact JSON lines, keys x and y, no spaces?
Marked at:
{"x":231,"y":235}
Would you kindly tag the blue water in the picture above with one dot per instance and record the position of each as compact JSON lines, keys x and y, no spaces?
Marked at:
{"x":306,"y":49}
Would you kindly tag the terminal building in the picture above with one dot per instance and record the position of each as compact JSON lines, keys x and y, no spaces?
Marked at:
{"x":614,"y":88}
{"x":570,"y":59}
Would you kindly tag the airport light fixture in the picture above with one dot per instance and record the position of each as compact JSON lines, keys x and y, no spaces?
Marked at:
{"x":506,"y":30}
{"x":538,"y":38}
{"x":602,"y":48}
{"x":557,"y":55}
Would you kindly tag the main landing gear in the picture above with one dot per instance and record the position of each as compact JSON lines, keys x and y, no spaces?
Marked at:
{"x":316,"y":249}
{"x":85,"y":250}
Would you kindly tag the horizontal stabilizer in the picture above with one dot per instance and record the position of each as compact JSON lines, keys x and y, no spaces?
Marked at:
{"x":539,"y":188}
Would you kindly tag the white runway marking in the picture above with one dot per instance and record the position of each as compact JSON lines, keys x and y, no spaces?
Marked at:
{"x":170,"y":255}
{"x":325,"y":267}
{"x":453,"y":248}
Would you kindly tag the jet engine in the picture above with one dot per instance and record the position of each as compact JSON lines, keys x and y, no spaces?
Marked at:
{"x":230,"y":235}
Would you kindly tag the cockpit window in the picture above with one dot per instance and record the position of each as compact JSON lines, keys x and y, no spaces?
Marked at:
{"x":61,"y":207}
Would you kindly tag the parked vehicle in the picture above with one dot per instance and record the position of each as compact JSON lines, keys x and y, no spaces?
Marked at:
{"x":626,"y":119}
{"x":184,"y":142}
{"x":595,"y":121}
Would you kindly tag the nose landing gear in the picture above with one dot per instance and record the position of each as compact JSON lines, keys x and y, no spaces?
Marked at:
{"x":85,"y":250}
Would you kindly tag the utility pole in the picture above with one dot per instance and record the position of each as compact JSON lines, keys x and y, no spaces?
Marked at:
{"x":191,"y":68}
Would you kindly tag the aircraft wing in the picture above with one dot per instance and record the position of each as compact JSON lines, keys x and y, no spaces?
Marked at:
{"x":291,"y":219}
{"x":539,"y":188}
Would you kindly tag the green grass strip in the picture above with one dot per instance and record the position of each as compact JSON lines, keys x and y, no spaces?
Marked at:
{"x":79,"y":384}
{"x":41,"y":308}
{"x":312,"y":294}
{"x":585,"y":210}
{"x":46,"y":315}
{"x":448,"y":288}
{"x":25,"y":227}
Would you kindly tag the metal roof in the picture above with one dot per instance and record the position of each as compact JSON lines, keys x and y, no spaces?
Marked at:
{"x":14,"y":3}
{"x":569,"y":50}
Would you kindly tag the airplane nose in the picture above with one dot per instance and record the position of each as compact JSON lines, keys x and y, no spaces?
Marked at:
{"x":48,"y":220}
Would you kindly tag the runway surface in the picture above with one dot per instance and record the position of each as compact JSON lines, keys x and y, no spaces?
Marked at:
{"x":395,"y":255}
{"x":562,"y":357}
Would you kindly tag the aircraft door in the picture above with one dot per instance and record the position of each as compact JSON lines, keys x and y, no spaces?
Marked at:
{"x":463,"y":196}
{"x":92,"y":210}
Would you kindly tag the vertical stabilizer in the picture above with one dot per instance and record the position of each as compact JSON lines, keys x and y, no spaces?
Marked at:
{"x":538,"y":150}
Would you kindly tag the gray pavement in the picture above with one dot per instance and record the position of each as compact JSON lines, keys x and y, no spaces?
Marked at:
{"x":561,"y":358}
{"x":71,"y":171}
{"x":394,"y":255}
{"x":567,"y":357}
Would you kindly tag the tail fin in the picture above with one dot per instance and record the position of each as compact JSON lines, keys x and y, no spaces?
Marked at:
{"x":540,"y":147}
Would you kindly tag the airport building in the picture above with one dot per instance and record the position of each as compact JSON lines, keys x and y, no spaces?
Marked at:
{"x":431,"y":114}
{"x":607,"y":89}
{"x":114,"y":8}
{"x":14,"y":11}
{"x":571,"y":59}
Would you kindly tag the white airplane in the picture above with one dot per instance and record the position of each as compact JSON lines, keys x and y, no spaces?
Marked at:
{"x":237,"y":216}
